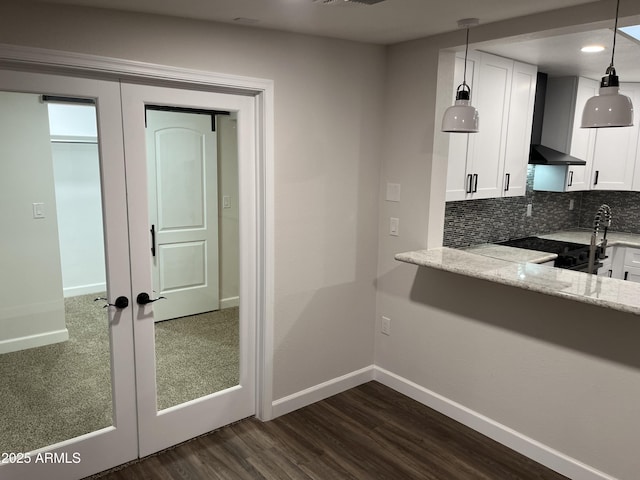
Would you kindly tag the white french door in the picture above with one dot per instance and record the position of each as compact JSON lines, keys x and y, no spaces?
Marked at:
{"x":165,"y":418}
{"x":110,"y":384}
{"x":68,"y":406}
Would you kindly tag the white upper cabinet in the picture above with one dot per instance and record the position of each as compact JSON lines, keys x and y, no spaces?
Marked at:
{"x":523,"y":93}
{"x":615,"y":152}
{"x":610,"y":153}
{"x":493,"y":162}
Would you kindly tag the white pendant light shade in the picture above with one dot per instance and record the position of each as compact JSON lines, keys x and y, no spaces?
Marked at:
{"x":461,"y":117}
{"x":609,"y":109}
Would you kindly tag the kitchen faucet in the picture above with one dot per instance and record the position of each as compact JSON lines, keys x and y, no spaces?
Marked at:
{"x":602,"y":217}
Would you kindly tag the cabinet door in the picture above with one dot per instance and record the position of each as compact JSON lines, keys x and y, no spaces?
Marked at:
{"x":457,"y":183}
{"x":582,"y":139}
{"x":487,"y":147}
{"x":523,"y":91}
{"x":615,"y":152}
{"x":632,"y":274}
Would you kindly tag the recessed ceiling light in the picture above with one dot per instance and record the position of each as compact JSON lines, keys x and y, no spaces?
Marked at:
{"x":592,"y":48}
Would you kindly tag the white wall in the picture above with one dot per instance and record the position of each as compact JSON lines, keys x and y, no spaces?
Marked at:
{"x":31,"y":302}
{"x":328,"y":111}
{"x":562,"y":373}
{"x":228,"y":217}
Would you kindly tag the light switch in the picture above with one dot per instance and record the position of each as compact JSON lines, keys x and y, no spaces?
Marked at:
{"x":393,"y":192}
{"x":394,"y":226}
{"x":226,"y":201}
{"x":38,"y":210}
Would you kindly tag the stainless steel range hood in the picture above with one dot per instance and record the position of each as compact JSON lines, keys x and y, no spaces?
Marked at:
{"x":540,"y":154}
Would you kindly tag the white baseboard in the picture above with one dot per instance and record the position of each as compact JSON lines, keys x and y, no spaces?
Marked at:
{"x":320,"y":392}
{"x":32,"y":341}
{"x":528,"y":447}
{"x":84,"y":289}
{"x":229,"y":302}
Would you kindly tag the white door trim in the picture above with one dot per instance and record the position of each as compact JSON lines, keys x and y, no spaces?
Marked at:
{"x":55,"y":61}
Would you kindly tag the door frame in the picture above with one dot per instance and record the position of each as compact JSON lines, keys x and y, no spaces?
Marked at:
{"x":76,"y":64}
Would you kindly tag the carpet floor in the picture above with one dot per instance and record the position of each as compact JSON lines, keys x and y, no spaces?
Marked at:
{"x":57,"y":392}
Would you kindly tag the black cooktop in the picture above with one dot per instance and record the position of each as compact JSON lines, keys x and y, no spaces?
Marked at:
{"x":543,"y":245}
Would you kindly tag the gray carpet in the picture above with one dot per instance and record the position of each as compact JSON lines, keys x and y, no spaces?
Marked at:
{"x":53,"y":393}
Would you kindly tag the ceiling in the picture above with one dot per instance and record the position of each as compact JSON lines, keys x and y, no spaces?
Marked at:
{"x":389,"y":21}
{"x":392,"y":21}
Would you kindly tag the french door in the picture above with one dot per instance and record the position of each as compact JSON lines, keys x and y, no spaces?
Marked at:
{"x":90,"y":380}
{"x":165,"y":415}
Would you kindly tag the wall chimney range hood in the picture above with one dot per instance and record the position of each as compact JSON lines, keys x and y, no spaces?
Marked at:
{"x":538,"y":153}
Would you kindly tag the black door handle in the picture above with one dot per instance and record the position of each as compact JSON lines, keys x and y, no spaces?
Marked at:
{"x":144,"y":298}
{"x":153,"y":240}
{"x":121,"y":302}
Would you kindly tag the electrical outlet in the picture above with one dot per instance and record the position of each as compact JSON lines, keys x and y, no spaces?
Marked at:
{"x":386,"y":326}
{"x":571,"y":204}
{"x":529,"y":210}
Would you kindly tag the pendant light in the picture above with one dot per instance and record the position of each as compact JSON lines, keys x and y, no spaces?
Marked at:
{"x":610,"y":108}
{"x":462,"y":117}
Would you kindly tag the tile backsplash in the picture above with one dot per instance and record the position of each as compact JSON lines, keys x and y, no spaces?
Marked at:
{"x":472,"y":222}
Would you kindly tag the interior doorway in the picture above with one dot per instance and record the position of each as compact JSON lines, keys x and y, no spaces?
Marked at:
{"x":131,"y":337}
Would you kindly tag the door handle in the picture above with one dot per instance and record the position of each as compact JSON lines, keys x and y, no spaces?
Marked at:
{"x":120,"y":303}
{"x":144,"y":298}
{"x":475,"y":183}
{"x":570,"y":178}
{"x":508,"y":179}
{"x":469,"y":183}
{"x":153,"y":240}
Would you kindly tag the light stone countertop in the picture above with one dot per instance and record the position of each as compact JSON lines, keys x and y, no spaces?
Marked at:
{"x":504,"y":266}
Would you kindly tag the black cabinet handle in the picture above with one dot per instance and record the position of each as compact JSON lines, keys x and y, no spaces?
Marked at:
{"x":475,"y":183}
{"x":469,"y":182}
{"x":626,"y":275}
{"x":595,"y":180}
{"x":144,"y":298}
{"x":507,"y":182}
{"x":570,"y":178}
{"x":610,"y":273}
{"x":153,"y":240}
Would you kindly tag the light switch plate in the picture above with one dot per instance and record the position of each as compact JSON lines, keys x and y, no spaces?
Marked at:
{"x":38,"y":210}
{"x":394,"y":226}
{"x":393,"y":192}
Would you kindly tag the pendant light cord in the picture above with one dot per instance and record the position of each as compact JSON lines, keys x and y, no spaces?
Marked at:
{"x":466,"y":51}
{"x":615,"y":30}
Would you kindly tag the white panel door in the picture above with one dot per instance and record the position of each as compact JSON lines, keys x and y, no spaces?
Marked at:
{"x":183,"y":208}
{"x":165,"y":415}
{"x":68,"y":409}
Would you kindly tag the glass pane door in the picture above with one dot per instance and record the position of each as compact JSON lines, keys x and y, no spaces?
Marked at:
{"x":195,"y":336}
{"x":58,"y":333}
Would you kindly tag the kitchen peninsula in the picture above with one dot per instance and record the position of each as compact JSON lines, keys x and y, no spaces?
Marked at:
{"x":522,"y":268}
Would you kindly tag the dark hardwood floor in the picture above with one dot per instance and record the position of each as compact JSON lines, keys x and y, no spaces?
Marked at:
{"x":369,"y":432}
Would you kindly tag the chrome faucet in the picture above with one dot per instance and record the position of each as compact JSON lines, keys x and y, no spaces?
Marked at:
{"x":602,"y":218}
